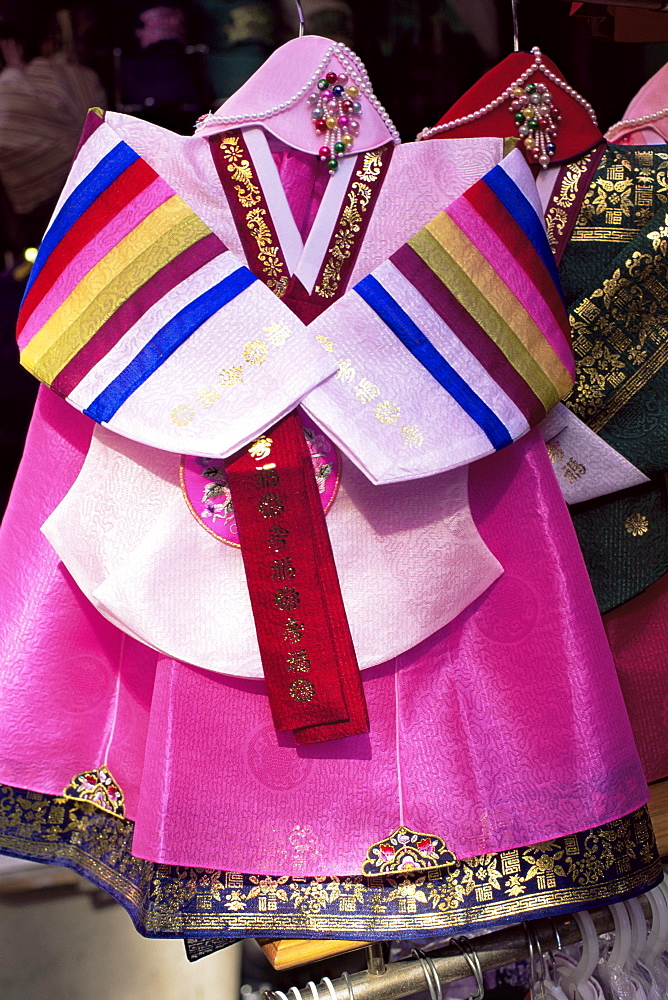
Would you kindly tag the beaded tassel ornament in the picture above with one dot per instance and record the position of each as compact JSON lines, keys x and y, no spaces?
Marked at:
{"x":335,"y":110}
{"x":537,"y":121}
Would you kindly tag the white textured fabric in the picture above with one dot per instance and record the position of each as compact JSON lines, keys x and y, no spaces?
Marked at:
{"x":409,"y":559}
{"x":387,"y":408}
{"x":140,"y":333}
{"x":434,"y":173}
{"x":410,"y":427}
{"x":584,"y":464}
{"x":239,"y":373}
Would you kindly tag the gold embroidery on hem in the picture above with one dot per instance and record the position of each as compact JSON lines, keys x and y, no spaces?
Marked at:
{"x":598,"y":864}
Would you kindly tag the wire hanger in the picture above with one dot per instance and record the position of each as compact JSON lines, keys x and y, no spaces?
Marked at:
{"x":516,"y":31}
{"x":300,"y":15}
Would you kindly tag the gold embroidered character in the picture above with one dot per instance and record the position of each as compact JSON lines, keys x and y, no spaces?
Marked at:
{"x":271,"y":505}
{"x":298,"y":662}
{"x":182,"y":415}
{"x":346,"y":372}
{"x":386,"y":412}
{"x":325,"y":342}
{"x":266,"y":479}
{"x":278,"y":535}
{"x":302,"y":690}
{"x":412,"y":436}
{"x":207,"y":397}
{"x":573,"y":470}
{"x":282,"y":569}
{"x":261,"y":447}
{"x":287,"y":599}
{"x":277,"y":333}
{"x":366,"y":391}
{"x":255,"y":352}
{"x":230,"y":376}
{"x":294,"y":630}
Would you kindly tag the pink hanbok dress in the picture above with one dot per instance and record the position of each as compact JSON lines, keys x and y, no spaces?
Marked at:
{"x":498,"y":779}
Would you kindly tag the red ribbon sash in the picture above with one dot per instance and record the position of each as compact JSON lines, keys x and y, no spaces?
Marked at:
{"x":308,"y":658}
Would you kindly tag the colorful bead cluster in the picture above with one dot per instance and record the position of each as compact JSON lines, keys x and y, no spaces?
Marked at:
{"x":537,"y":121}
{"x":334,"y":110}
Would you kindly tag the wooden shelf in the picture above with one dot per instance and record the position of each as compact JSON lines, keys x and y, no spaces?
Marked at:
{"x":292,"y":952}
{"x":658,"y":810}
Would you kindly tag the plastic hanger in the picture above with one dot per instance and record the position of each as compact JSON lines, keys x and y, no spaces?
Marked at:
{"x":574,"y":978}
{"x":300,"y":15}
{"x":651,"y":968}
{"x":516,"y":30}
{"x":657,"y":939}
{"x":276,"y":96}
{"x":485,"y":109}
{"x":621,"y":949}
{"x":638,"y":931}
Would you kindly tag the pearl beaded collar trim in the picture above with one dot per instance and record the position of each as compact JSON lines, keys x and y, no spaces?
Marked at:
{"x":538,"y":66}
{"x":626,"y":123}
{"x":353,"y":66}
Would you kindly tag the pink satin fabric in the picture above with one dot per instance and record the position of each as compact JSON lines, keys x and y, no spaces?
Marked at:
{"x":505,"y":728}
{"x":72,"y":686}
{"x":304,"y":182}
{"x":652,"y":97}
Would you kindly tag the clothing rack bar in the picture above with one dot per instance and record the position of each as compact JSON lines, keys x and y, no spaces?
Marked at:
{"x":406,"y":977}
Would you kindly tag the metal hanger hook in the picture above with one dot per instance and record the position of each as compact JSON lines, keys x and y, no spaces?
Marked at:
{"x":430,"y":974}
{"x":471,"y":955}
{"x":300,"y":14}
{"x":516,"y":30}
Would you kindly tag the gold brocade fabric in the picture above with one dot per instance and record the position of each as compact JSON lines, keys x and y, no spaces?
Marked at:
{"x":614,"y":274}
{"x":576,"y":872}
{"x":615,"y":278}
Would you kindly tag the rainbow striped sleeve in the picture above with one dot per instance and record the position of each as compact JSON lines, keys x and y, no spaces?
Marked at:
{"x":456,"y":345}
{"x":140,"y":316}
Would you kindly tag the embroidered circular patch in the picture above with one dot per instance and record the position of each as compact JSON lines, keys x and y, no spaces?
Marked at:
{"x":207,"y":492}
